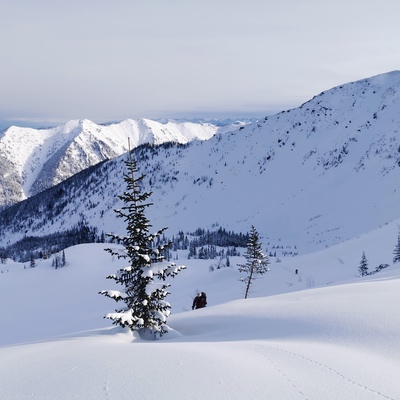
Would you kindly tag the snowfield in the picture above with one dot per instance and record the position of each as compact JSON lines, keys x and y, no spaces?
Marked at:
{"x":325,"y":333}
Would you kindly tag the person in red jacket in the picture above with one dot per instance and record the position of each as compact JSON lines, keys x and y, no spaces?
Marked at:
{"x":200,"y":301}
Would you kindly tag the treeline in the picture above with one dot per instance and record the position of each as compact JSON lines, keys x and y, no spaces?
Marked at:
{"x":203,"y":244}
{"x":44,"y":207}
{"x":35,"y":247}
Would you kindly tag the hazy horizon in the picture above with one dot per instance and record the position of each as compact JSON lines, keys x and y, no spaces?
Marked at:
{"x":112,"y":61}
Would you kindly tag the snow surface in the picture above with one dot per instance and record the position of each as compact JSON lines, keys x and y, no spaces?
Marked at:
{"x":325,"y":333}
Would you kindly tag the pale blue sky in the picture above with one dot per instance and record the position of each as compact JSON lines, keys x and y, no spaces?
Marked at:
{"x":112,"y":60}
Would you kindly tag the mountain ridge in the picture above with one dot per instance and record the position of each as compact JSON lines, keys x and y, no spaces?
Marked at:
{"x":312,"y":176}
{"x":32,"y":160}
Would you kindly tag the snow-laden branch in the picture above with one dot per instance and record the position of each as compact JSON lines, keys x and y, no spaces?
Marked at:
{"x":125,"y":318}
{"x":114,"y":294}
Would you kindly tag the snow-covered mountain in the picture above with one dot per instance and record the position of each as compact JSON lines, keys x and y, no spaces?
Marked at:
{"x":32,"y":160}
{"x":312,"y":176}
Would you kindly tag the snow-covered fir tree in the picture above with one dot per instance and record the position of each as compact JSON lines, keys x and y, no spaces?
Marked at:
{"x":54,"y":263}
{"x":59,"y":260}
{"x":32,"y":261}
{"x":256,"y":261}
{"x":396,"y":252}
{"x":363,"y":268}
{"x":63,"y":259}
{"x":143,"y":280}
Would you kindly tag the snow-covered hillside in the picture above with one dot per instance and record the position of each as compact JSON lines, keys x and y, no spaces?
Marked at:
{"x":309,"y":177}
{"x":32,"y":160}
{"x":325,"y":333}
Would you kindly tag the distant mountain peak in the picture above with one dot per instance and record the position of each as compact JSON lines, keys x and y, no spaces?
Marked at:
{"x":32,"y":160}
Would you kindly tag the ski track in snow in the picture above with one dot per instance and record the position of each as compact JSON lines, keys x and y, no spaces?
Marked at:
{"x":283,"y":374}
{"x":309,"y":279}
{"x":326,"y":369}
{"x":106,"y":388}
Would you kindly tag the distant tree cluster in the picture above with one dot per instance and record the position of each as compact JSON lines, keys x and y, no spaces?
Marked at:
{"x":221,"y":237}
{"x":396,"y":252}
{"x":206,"y":238}
{"x":43,"y":246}
{"x":285,"y":251}
{"x":59,"y":260}
{"x":180,"y":242}
{"x":203,"y":244}
{"x":223,"y":262}
{"x":3,"y":256}
{"x":210,"y":252}
{"x":363,"y":267}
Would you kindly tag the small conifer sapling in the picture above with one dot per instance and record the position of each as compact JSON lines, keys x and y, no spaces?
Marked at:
{"x":396,"y":252}
{"x":256,"y":261}
{"x":363,"y":268}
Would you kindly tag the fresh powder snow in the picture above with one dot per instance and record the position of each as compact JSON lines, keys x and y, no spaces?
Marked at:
{"x":324,"y":333}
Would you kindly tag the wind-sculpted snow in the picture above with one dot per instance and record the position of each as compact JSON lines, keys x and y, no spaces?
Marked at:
{"x":338,"y":340}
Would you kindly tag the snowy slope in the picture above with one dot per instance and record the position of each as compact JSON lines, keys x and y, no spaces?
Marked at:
{"x":313,"y":176}
{"x":310,"y":177}
{"x":32,"y":160}
{"x":323,"y":334}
